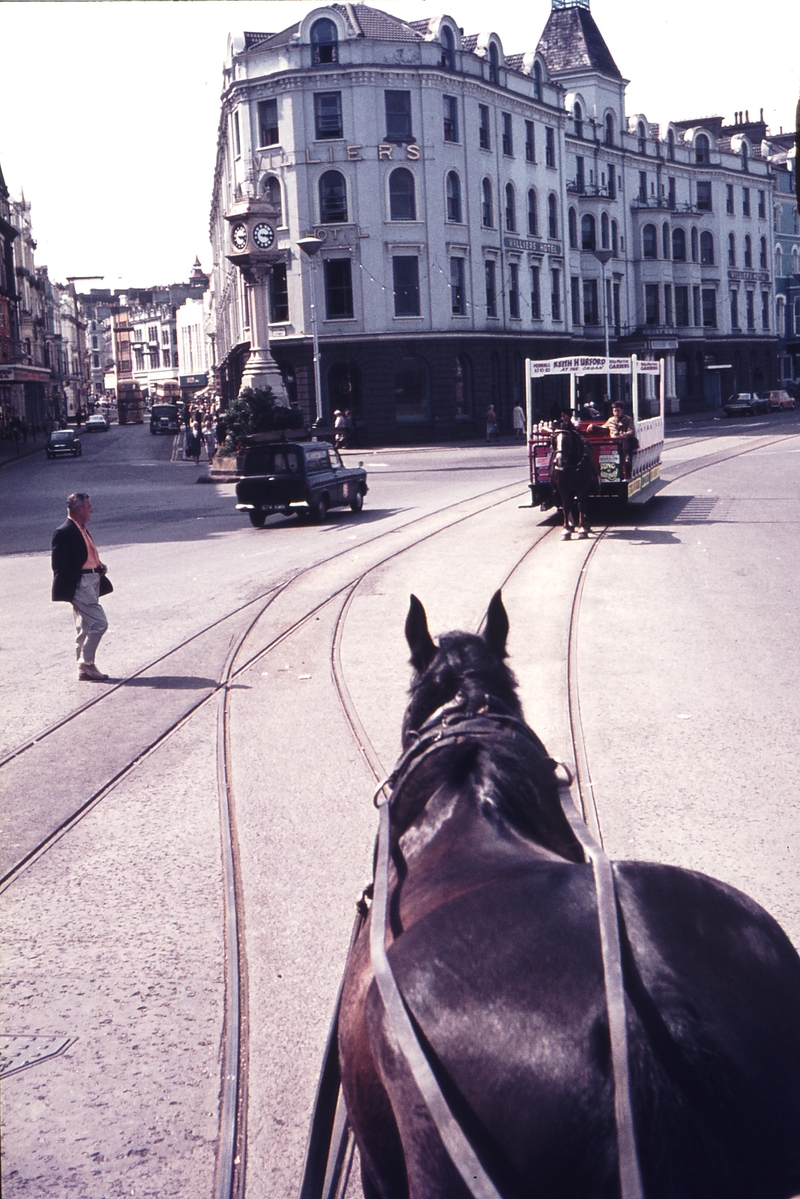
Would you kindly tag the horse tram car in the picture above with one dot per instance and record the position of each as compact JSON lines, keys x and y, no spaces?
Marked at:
{"x":626,"y":467}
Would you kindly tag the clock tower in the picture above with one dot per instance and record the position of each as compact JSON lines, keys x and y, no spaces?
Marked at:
{"x":252,"y":234}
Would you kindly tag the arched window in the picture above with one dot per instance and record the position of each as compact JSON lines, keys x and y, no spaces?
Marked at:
{"x":412,"y":389}
{"x":511,"y":208}
{"x":453,"y":197}
{"x":448,"y":60}
{"x":463,"y":387}
{"x":577,"y":114}
{"x":762,"y":257}
{"x":778,"y":261}
{"x":572,"y":221}
{"x":745,"y":157}
{"x":780,"y":318}
{"x":487,"y":212}
{"x":649,"y":242}
{"x":537,"y":81}
{"x":748,"y":251}
{"x":642,"y":135}
{"x":272,"y":191}
{"x":670,"y":145}
{"x":701,"y":148}
{"x":665,"y":240}
{"x":604,"y":231}
{"x":332,"y":198}
{"x":552,"y":216}
{"x":533,"y":213}
{"x":706,"y":248}
{"x":402,"y":201}
{"x":731,"y":250}
{"x":324,"y":42}
{"x":694,"y":244}
{"x":609,"y":129}
{"x":615,"y":239}
{"x":494,"y":64}
{"x":679,"y":245}
{"x":588,"y":232}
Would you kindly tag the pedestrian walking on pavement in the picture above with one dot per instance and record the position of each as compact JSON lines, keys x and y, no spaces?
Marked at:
{"x":518,"y":417}
{"x":79,"y":578}
{"x":491,"y":424}
{"x":210,"y":438}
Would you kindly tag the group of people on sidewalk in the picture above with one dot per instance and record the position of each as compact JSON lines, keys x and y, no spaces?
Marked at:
{"x":201,"y":432}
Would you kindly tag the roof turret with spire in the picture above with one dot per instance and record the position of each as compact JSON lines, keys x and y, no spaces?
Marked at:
{"x":571,"y":41}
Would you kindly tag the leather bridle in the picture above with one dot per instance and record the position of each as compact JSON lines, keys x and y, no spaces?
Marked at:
{"x":448,"y":725}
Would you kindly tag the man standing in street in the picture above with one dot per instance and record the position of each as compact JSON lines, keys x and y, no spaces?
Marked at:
{"x":79,"y":578}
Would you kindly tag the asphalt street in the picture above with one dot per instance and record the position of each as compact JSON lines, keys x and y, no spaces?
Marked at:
{"x":687,"y":662}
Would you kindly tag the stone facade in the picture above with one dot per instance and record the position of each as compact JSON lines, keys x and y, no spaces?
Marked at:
{"x":465,"y":200}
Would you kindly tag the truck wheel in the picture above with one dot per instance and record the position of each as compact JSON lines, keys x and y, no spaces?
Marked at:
{"x":357,"y":502}
{"x":321,"y":510}
{"x":257,"y":518}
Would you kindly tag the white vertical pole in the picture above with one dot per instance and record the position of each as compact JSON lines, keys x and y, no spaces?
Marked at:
{"x":528,"y":397}
{"x":634,"y":389}
{"x":573,"y":391}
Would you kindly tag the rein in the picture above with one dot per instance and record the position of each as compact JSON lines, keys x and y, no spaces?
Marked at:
{"x":446,"y":726}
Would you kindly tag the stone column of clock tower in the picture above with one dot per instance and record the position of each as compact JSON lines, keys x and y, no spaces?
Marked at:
{"x":261,"y":369}
{"x":252,"y":225}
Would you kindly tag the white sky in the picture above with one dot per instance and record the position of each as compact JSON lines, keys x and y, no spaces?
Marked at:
{"x":109,"y":110}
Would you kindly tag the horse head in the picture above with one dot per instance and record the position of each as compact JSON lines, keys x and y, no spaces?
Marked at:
{"x":464,"y":686}
{"x":567,"y":448}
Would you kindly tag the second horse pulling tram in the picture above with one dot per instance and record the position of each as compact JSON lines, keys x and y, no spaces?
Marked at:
{"x":628,"y":467}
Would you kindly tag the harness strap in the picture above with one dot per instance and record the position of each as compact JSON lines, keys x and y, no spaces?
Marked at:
{"x":630,"y":1178}
{"x":401,"y":1030}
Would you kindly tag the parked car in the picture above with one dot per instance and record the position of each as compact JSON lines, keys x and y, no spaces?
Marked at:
{"x":778,"y":400}
{"x":62,"y":443}
{"x":288,"y":477}
{"x":97,"y":421}
{"x":745,"y":403}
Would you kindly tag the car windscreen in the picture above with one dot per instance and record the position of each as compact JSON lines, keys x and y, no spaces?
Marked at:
{"x":67,"y":435}
{"x":317,"y":460}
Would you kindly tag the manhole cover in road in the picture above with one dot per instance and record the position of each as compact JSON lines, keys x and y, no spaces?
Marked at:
{"x":21,"y":1052}
{"x":698,"y":508}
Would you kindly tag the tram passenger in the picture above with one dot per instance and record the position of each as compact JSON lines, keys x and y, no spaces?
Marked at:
{"x":619,"y":425}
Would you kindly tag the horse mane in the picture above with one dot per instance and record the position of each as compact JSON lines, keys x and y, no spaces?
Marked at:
{"x":512,"y":773}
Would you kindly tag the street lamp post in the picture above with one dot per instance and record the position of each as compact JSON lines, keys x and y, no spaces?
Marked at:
{"x":603,"y":256}
{"x":311,"y":246}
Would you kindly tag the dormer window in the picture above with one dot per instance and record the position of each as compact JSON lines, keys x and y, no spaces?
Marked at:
{"x":324,"y":42}
{"x":448,"y":60}
{"x":745,"y":157}
{"x":577,"y":114}
{"x":642,"y":134}
{"x":537,"y":81}
{"x":494,"y":64}
{"x":701,"y":148}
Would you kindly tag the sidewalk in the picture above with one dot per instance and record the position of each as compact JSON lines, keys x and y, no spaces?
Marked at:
{"x":9,"y":452}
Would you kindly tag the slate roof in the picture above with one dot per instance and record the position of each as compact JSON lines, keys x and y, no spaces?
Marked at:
{"x":571,"y":41}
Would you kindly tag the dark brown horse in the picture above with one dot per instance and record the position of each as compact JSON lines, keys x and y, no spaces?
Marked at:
{"x":492,"y":938}
{"x":573,"y":475}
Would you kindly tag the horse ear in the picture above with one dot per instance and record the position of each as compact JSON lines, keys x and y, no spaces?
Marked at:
{"x":420,"y":642}
{"x":496,"y":630}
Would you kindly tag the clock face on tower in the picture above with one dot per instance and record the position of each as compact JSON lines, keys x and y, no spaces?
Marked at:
{"x":263,"y":235}
{"x":239,"y":236}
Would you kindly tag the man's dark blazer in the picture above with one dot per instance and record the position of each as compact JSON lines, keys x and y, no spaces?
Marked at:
{"x":68,"y":556}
